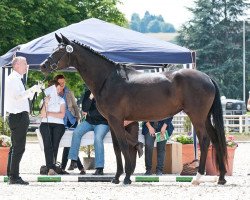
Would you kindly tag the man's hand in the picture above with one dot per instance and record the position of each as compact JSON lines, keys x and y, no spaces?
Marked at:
{"x":41,"y":85}
{"x":151,"y":131}
{"x":163,"y":130}
{"x":36,"y":88}
{"x":84,"y":114}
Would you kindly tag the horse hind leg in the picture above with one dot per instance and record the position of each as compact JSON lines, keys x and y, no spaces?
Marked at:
{"x":204,"y":141}
{"x":117,"y":151}
{"x":212,"y":134}
{"x":118,"y":128}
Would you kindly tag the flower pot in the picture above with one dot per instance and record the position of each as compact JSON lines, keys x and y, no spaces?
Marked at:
{"x":4,"y":152}
{"x":89,"y":163}
{"x":187,"y":153}
{"x":210,"y":163}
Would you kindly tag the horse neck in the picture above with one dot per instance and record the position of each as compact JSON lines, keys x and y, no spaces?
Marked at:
{"x":94,"y":69}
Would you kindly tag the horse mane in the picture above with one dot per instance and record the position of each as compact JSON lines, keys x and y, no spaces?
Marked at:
{"x":96,"y":53}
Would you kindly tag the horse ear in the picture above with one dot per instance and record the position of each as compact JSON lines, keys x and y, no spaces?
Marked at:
{"x":59,"y":40}
{"x":65,"y":40}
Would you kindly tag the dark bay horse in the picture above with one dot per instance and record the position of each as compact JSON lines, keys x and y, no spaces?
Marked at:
{"x":122,"y":93}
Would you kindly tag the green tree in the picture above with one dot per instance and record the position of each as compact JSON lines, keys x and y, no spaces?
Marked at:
{"x":154,"y":26}
{"x":11,"y":19}
{"x":135,"y":22}
{"x":215,"y":33}
{"x":167,"y":28}
{"x":22,"y":21}
{"x":150,"y":23}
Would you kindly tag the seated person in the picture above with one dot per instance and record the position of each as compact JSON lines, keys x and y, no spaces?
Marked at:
{"x":94,"y":122}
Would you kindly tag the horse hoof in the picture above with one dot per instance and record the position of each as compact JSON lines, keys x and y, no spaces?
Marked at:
{"x":115,"y":181}
{"x":195,"y":182}
{"x":127,"y":181}
{"x":222,"y":182}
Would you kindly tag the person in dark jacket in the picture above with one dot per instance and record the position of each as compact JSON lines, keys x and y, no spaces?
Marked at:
{"x":94,"y":122}
{"x":148,"y":130}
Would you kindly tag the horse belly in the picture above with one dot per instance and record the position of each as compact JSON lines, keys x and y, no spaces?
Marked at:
{"x":150,"y":109}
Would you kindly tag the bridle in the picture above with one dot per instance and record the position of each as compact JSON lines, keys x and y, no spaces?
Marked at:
{"x":53,"y":65}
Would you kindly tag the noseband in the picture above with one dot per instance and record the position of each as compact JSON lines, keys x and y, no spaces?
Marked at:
{"x":54,"y":64}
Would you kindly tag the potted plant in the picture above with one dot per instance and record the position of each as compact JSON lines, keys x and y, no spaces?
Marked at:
{"x":89,"y":161}
{"x":5,"y":143}
{"x":210,"y":162}
{"x":187,"y":147}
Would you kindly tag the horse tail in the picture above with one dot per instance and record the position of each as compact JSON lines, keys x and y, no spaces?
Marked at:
{"x":218,"y":135}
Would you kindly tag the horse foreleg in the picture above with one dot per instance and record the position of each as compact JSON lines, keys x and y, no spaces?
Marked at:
{"x":133,"y":155}
{"x":117,"y":150}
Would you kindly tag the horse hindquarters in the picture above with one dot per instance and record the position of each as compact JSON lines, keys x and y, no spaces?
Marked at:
{"x":117,"y":150}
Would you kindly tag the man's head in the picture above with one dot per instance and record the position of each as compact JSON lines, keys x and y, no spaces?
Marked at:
{"x":20,"y":65}
{"x":61,"y":80}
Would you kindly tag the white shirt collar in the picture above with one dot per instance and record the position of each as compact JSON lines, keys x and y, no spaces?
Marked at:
{"x":15,"y":73}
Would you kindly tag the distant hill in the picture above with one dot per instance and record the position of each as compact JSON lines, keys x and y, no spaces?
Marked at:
{"x":169,"y":37}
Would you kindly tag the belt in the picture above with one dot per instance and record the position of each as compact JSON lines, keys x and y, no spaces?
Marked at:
{"x":23,"y":112}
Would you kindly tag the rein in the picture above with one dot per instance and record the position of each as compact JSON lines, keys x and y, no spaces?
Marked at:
{"x":54,"y":65}
{"x":32,"y":102}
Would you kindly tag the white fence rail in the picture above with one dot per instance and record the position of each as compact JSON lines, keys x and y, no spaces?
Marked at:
{"x":232,"y":123}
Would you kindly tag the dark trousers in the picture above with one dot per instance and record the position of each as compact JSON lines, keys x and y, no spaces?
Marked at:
{"x":65,"y":159}
{"x":18,"y":124}
{"x":149,"y":147}
{"x":66,"y":152}
{"x":51,"y":134}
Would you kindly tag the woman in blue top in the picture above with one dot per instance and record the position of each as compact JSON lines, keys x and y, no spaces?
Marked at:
{"x":148,"y":130}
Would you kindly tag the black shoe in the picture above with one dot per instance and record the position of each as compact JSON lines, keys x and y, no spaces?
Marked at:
{"x":158,"y":173}
{"x":19,"y":181}
{"x":82,"y":171}
{"x":98,"y":171}
{"x":64,"y":172}
{"x":73,"y":165}
{"x":148,"y":172}
{"x":139,"y":148}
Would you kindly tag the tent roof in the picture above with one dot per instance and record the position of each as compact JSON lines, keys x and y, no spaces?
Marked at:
{"x":117,"y":43}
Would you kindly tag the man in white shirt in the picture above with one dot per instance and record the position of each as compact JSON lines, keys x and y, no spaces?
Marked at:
{"x":17,"y":105}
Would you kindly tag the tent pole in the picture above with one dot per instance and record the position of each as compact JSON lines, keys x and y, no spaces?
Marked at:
{"x":193,"y":66}
{"x":3,"y":88}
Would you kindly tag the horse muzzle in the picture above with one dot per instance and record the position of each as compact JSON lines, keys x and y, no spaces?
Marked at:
{"x":45,"y":67}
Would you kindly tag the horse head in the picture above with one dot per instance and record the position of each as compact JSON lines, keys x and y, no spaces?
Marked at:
{"x":60,"y":58}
